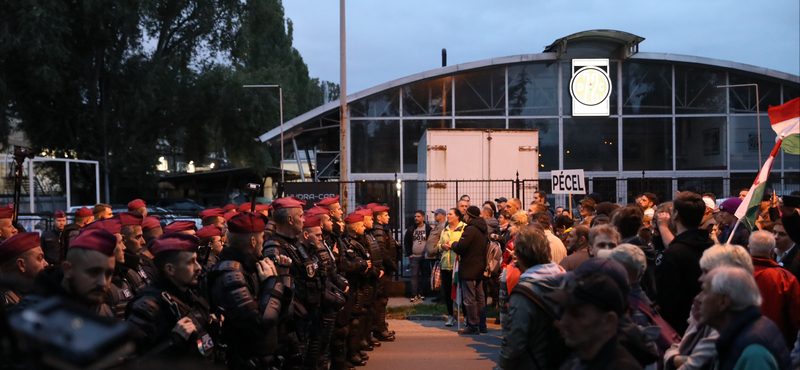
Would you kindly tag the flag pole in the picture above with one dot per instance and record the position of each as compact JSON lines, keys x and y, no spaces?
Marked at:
{"x":733,"y":231}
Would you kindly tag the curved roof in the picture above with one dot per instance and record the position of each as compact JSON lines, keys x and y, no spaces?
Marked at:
{"x":627,"y":43}
{"x":515,"y":59}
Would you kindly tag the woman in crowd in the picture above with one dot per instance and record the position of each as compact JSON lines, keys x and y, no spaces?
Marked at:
{"x":510,"y":274}
{"x":451,"y":233}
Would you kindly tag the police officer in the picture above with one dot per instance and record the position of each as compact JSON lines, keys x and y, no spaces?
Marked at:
{"x":335,"y":212}
{"x":373,"y":279}
{"x":21,"y":259}
{"x":308,"y":286}
{"x":249,"y":292}
{"x":171,"y":320}
{"x":51,"y":239}
{"x":121,"y":291}
{"x":210,"y":246}
{"x":133,"y":238}
{"x":151,"y":229}
{"x":356,"y":264}
{"x":380,"y":215}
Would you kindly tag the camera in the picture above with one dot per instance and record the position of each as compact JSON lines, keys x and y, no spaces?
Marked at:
{"x":253,"y":187}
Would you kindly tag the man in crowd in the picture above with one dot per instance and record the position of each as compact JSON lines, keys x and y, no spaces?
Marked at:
{"x":213,"y":216}
{"x":557,"y":250}
{"x":51,"y":239}
{"x":84,"y":216}
{"x":629,"y":222}
{"x":102,"y":211}
{"x":210,"y":246}
{"x":779,"y":289}
{"x":463,"y":204}
{"x":514,"y":205}
{"x":677,"y":274}
{"x":7,"y":228}
{"x":587,"y":211}
{"x":785,"y":249}
{"x":502,"y":203}
{"x":727,"y":211}
{"x":747,"y":340}
{"x":708,"y":218}
{"x":471,"y":249}
{"x":138,"y":206}
{"x":416,"y":238}
{"x":181,"y":227}
{"x":648,"y":202}
{"x":356,"y":265}
{"x":578,"y":241}
{"x":21,"y":259}
{"x":383,"y":235}
{"x":336,"y":212}
{"x":151,"y":229}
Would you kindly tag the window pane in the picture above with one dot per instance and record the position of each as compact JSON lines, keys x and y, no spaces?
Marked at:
{"x":647,"y":88}
{"x":792,"y":161}
{"x":702,"y":185}
{"x":742,"y":181}
{"x":412,"y":132}
{"x":481,"y":123}
{"x":606,"y":187}
{"x":696,"y":90}
{"x":548,"y":139}
{"x":375,"y":146}
{"x":790,"y":92}
{"x":791,"y":182}
{"x":744,"y":143}
{"x":590,"y":144}
{"x":481,"y":93}
{"x":743,"y":99}
{"x":385,"y":104}
{"x":647,"y":144}
{"x":661,"y":187}
{"x":566,"y":75}
{"x":701,"y":143}
{"x":533,"y":90}
{"x":428,"y":98}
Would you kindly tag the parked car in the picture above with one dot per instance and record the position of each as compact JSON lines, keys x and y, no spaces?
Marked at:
{"x":178,"y":204}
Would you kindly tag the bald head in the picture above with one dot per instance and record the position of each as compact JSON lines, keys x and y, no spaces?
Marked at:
{"x":762,"y":244}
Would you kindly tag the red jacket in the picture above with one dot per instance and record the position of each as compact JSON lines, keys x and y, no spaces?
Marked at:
{"x":780,"y":292}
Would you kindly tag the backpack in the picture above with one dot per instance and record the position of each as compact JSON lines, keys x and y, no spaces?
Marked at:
{"x":668,"y":335}
{"x":494,"y":258}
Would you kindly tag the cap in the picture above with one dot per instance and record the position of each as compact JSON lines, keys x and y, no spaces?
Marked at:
{"x":373,"y":205}
{"x":17,"y":244}
{"x":244,"y":207}
{"x":596,"y":197}
{"x":208,"y":231}
{"x":246,"y":223}
{"x":605,"y":208}
{"x":6,"y":212}
{"x":378,"y":209}
{"x":353,"y":218}
{"x":229,"y":215}
{"x":501,"y":200}
{"x":150,"y":223}
{"x":318,"y":211}
{"x":311,"y":221}
{"x":229,"y":207}
{"x":136,"y":203}
{"x":588,"y":202}
{"x":180,"y":225}
{"x":288,"y":202}
{"x":97,"y":240}
{"x":709,"y":203}
{"x":442,"y":212}
{"x":113,"y":226}
{"x":84,"y":212}
{"x":607,"y":267}
{"x":174,"y":242}
{"x":60,"y":214}
{"x":474,"y":212}
{"x":129,"y":218}
{"x":327,"y":201}
{"x":211,"y":212}
{"x":628,"y":255}
{"x":594,"y":289}
{"x":364,"y":212}
{"x":730,"y":205}
{"x":263,"y":207}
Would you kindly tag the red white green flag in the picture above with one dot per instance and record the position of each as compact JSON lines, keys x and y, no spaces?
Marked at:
{"x":747,"y":213}
{"x":785,"y":120}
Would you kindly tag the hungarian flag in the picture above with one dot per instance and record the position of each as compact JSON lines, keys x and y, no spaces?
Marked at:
{"x":747,"y":213}
{"x":785,"y":121}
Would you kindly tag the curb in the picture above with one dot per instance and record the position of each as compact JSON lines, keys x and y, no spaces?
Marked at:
{"x":427,"y":317}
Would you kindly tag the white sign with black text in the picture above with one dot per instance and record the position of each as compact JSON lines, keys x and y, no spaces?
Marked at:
{"x":590,"y":87}
{"x":568,"y":182}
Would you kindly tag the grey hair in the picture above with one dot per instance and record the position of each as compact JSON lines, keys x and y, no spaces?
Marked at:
{"x":726,"y":255}
{"x":762,"y":243}
{"x":738,"y":284}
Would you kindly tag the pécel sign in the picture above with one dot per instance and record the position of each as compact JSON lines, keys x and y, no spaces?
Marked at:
{"x":568,"y":182}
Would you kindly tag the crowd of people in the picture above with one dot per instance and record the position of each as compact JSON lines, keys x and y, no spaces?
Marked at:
{"x":670,"y":285}
{"x":256,"y":287}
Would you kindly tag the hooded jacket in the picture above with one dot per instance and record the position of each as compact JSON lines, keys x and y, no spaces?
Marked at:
{"x":472,"y":250}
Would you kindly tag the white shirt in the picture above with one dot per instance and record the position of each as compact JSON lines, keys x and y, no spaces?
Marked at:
{"x":557,"y":250}
{"x":780,"y":256}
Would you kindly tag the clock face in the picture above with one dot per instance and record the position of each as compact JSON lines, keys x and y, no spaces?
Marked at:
{"x":590,"y":86}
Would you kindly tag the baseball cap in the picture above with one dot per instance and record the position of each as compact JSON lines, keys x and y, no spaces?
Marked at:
{"x":606,"y":267}
{"x":440,"y":211}
{"x":628,"y":255}
{"x":501,"y":200}
{"x":595,"y":289}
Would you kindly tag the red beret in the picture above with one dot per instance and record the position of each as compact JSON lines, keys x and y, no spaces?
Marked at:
{"x":129,"y":218}
{"x":311,"y":221}
{"x":136,"y":203}
{"x":60,"y":214}
{"x":353,"y":218}
{"x":208,"y":231}
{"x":211,"y":212}
{"x":83,"y":212}
{"x":318,"y":211}
{"x":174,"y":242}
{"x":288,"y":202}
{"x":372,"y":205}
{"x":364,"y":212}
{"x":17,"y":244}
{"x":247,"y":223}
{"x":229,"y":215}
{"x":150,"y":223}
{"x":181,"y":225}
{"x":244,"y":207}
{"x":377,"y":209}
{"x":113,"y":226}
{"x":328,"y":201}
{"x":263,"y":207}
{"x":97,"y":240}
{"x":229,"y":207}
{"x":6,"y":212}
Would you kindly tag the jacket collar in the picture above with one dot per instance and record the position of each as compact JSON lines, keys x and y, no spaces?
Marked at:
{"x":234,"y":254}
{"x":728,"y":336}
{"x":764,"y":262}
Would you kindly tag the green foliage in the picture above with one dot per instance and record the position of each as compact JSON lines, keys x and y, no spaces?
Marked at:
{"x":144,"y":78}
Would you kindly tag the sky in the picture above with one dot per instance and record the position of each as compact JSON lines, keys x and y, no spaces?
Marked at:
{"x":390,"y":39}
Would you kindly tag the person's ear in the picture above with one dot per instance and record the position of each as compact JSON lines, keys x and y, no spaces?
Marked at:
{"x":725,"y":302}
{"x":169,"y":269}
{"x":20,"y":265}
{"x":66,"y":266}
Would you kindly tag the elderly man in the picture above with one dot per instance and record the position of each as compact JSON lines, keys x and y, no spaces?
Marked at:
{"x":729,"y":303}
{"x":21,"y":259}
{"x":779,"y":289}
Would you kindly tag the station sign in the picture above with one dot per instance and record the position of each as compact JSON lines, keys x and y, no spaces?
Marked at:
{"x":568,"y":182}
{"x":311,"y":192}
{"x":590,"y":87}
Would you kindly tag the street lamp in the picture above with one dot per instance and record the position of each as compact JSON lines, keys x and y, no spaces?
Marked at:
{"x":758,"y":117}
{"x":280,"y":95}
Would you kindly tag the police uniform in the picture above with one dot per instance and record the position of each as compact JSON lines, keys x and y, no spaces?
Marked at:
{"x":388,"y":249}
{"x":371,"y":286}
{"x":353,"y":262}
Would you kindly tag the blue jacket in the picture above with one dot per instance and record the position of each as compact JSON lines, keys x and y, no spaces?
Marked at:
{"x":750,"y":327}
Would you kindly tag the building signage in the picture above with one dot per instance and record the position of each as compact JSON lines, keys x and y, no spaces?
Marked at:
{"x":568,"y":182}
{"x":311,"y":192}
{"x":590,"y":87}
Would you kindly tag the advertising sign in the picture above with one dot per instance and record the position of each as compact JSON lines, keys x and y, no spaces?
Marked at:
{"x":590,"y":87}
{"x":568,"y":182}
{"x":311,"y":192}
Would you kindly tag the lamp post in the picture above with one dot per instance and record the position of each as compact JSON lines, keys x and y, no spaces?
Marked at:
{"x":280,"y":96}
{"x":758,"y":117}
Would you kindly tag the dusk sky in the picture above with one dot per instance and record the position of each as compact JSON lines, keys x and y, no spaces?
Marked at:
{"x":390,"y":39}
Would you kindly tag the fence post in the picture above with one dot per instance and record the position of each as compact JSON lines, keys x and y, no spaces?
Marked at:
{"x":458,"y":197}
{"x":517,"y":185}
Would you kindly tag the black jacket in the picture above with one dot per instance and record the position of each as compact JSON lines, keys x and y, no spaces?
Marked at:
{"x":677,"y":274}
{"x":471,"y":249}
{"x":48,"y":284}
{"x":408,"y":239}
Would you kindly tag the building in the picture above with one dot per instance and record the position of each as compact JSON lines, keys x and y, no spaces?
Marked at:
{"x":670,"y":125}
